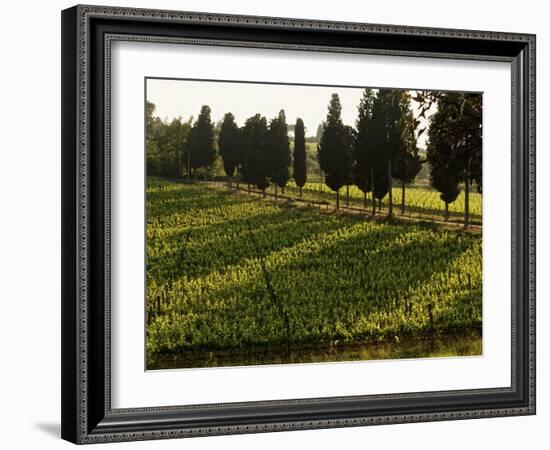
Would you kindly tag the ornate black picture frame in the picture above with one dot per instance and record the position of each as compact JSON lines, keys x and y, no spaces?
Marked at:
{"x":87,"y":34}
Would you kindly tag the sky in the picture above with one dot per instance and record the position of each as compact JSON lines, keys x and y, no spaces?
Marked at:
{"x":184,"y":98}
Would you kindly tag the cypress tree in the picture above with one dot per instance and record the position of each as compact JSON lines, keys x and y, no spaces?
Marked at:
{"x":362,"y":167}
{"x":392,"y":100}
{"x":228,"y":142}
{"x":199,"y":149}
{"x":407,"y":161}
{"x":349,"y":142}
{"x":319,"y":133}
{"x":244,"y":137}
{"x":464,"y":120}
{"x":376,"y":141}
{"x":445,"y":169}
{"x":256,"y":167}
{"x":300,"y":171}
{"x":278,"y":151}
{"x":386,"y":141}
{"x":240,"y":152}
{"x":334,"y":149}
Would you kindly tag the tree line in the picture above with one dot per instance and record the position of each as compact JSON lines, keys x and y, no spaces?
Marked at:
{"x":454,"y":148}
{"x":379,"y":150}
{"x":178,"y":147}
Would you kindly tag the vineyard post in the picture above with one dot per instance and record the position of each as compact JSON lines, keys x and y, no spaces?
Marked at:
{"x":390,"y":193}
{"x":188,"y":164}
{"x":467,"y":196}
{"x":372,"y":193}
{"x":402,"y":197}
{"x":320,"y":186}
{"x":431,"y":317}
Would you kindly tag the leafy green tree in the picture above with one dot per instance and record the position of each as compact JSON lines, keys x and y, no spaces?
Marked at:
{"x":362,"y":156}
{"x":149,"y":118}
{"x":467,"y":132}
{"x":152,"y":125}
{"x":334,"y":150}
{"x":460,"y":124}
{"x":278,"y":151}
{"x":228,"y":143}
{"x":200,"y":150}
{"x":300,"y":170}
{"x":167,"y":147}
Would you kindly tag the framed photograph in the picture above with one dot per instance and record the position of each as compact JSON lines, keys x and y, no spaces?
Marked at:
{"x":279,"y":224}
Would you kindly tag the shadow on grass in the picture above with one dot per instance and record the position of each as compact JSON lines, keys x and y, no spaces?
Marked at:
{"x":467,"y":343}
{"x":320,"y":299}
{"x":275,"y":230}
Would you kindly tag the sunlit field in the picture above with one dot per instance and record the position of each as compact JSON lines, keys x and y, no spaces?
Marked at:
{"x":421,"y":201}
{"x":235,"y":279}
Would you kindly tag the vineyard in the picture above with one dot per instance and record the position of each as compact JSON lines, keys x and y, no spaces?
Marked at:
{"x":422,"y":202}
{"x":234,"y":279}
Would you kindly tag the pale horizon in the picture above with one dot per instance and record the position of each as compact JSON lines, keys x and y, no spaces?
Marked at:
{"x":177,"y":98}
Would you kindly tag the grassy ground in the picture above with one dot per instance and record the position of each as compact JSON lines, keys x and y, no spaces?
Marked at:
{"x":236,"y":280}
{"x":452,"y":345}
